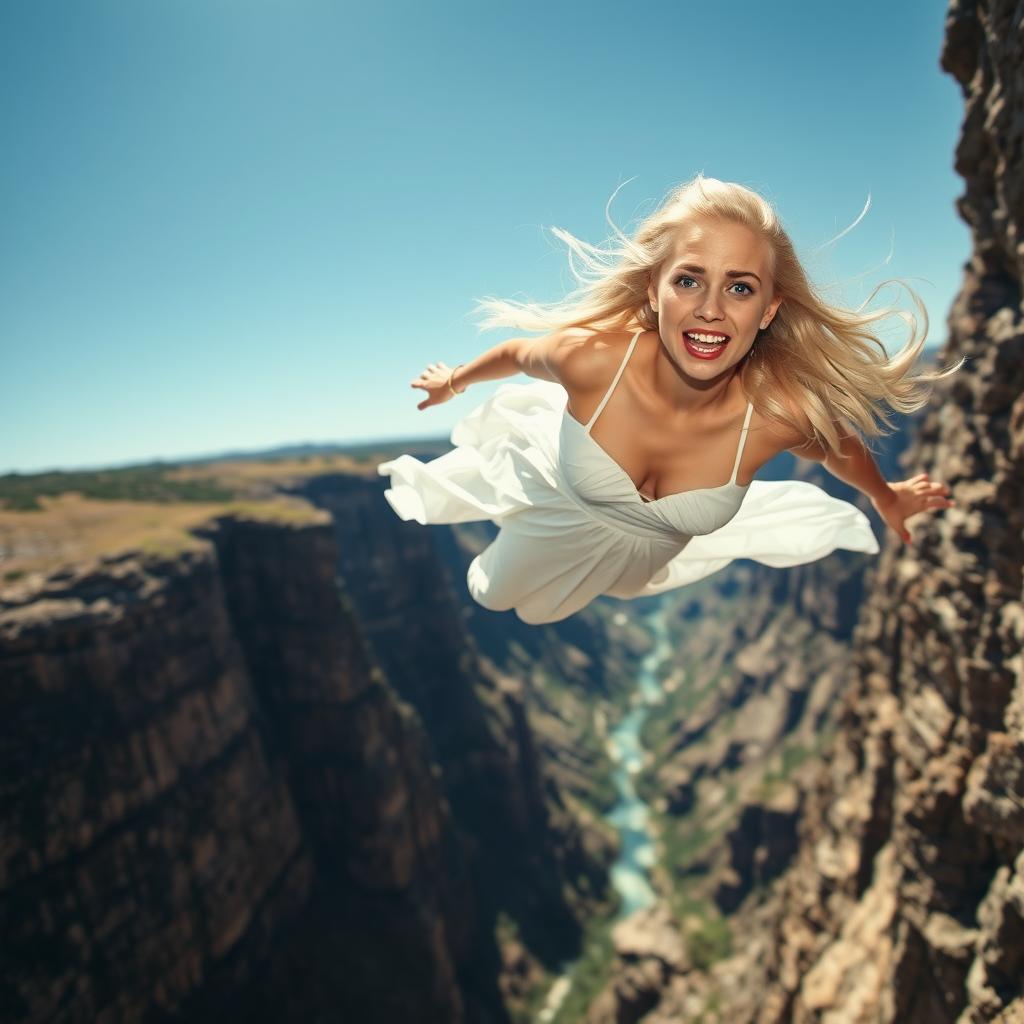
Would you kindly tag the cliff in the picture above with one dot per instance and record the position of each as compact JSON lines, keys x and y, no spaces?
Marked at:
{"x":759,"y":661}
{"x":848,"y":791}
{"x":483,"y":695}
{"x":906,"y":898}
{"x":217,"y":802}
{"x":170,"y":810}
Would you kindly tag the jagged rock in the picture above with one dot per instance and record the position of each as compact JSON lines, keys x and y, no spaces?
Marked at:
{"x":214,"y":794}
{"x":760,"y":711}
{"x":650,"y":952}
{"x":994,"y":783}
{"x":904,"y":901}
{"x":651,"y":933}
{"x":761,"y":845}
{"x":505,"y":754}
{"x":195,"y":750}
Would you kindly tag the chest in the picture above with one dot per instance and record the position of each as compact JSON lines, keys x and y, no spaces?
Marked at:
{"x":663,"y":456}
{"x":598,"y":480}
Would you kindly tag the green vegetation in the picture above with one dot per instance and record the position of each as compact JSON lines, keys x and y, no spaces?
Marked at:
{"x":590,"y":973}
{"x":713,"y":1009}
{"x":774,"y":778}
{"x":679,"y":705}
{"x":711,"y":942}
{"x":682,"y":843}
{"x":271,"y":511}
{"x":21,"y":492}
{"x":684,"y":838}
{"x":791,"y":755}
{"x":368,"y":452}
{"x":601,"y":796}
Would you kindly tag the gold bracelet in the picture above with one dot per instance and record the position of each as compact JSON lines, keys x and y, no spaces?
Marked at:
{"x":451,"y":377}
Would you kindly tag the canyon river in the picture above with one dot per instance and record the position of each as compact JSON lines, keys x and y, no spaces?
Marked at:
{"x":630,"y":874}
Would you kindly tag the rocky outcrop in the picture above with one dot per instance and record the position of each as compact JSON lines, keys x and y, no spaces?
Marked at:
{"x":761,"y":845}
{"x":215,"y":795}
{"x":195,"y":751}
{"x":906,"y":899}
{"x":487,"y":725}
{"x":652,"y":980}
{"x":758,"y":660}
{"x":761,"y":656}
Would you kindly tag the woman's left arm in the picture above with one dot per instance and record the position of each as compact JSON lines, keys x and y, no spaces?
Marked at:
{"x":895,"y":502}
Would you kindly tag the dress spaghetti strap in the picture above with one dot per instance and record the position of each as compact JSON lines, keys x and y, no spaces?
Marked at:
{"x":615,"y":380}
{"x":743,"y":441}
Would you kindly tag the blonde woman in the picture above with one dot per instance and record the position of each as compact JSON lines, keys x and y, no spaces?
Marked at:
{"x":692,"y":354}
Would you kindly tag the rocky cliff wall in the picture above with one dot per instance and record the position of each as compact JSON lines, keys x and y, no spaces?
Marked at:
{"x":274,"y":773}
{"x":759,"y":660}
{"x":212,"y":799}
{"x":906,"y":901}
{"x":484,"y":719}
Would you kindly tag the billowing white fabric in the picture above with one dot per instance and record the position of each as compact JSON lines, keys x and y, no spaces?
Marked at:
{"x":572,"y":524}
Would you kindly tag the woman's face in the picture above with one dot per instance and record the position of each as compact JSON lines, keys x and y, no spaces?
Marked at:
{"x":716,"y":282}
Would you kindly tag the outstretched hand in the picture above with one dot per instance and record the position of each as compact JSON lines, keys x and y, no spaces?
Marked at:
{"x":433,"y":380}
{"x":918,"y":494}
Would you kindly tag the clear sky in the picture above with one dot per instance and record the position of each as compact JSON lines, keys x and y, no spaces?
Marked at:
{"x":233,"y":225}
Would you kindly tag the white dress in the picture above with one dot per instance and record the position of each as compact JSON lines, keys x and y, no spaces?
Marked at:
{"x":574,"y":526}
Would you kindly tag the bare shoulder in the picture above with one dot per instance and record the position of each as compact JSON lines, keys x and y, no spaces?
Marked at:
{"x":579,"y":358}
{"x":778,"y":435}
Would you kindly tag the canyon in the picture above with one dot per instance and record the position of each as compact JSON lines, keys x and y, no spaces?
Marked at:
{"x":281,"y":767}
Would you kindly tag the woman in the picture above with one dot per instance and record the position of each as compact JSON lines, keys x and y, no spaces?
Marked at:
{"x":696,"y":346}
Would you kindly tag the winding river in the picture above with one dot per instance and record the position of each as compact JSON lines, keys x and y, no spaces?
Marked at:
{"x":630,"y":875}
{"x":630,"y":872}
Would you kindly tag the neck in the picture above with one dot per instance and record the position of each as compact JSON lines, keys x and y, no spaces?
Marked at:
{"x":685,"y":393}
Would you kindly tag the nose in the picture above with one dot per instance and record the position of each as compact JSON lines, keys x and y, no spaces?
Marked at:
{"x":709,"y":309}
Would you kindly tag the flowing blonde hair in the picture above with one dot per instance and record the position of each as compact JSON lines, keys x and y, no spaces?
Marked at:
{"x":814,"y":356}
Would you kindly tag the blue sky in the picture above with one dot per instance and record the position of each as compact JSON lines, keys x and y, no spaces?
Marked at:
{"x":234,"y":225}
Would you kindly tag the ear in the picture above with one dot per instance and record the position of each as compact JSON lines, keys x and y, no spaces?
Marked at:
{"x":652,"y":292}
{"x":773,"y":308}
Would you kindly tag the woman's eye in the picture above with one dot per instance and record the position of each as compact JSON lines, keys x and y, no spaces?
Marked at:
{"x":738,"y":284}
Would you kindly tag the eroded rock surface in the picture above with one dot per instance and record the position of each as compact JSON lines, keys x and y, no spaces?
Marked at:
{"x":904,"y":902}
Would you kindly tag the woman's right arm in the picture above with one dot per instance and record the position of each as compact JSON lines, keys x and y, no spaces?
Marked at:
{"x":543,"y":358}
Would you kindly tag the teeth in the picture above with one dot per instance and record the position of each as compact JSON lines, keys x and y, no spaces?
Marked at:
{"x":707,"y":339}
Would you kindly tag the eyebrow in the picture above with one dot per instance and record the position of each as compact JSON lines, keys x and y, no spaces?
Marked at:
{"x":728,"y":273}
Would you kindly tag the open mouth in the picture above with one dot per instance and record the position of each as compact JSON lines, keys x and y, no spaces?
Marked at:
{"x":705,"y":345}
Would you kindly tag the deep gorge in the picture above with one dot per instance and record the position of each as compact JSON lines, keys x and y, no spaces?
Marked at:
{"x":292,"y":772}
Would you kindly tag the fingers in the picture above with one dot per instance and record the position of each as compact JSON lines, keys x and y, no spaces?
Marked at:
{"x":901,"y":531}
{"x":932,"y":488}
{"x":434,"y":375}
{"x":922,"y":481}
{"x":439,"y":370}
{"x":929,"y":503}
{"x":927,"y":496}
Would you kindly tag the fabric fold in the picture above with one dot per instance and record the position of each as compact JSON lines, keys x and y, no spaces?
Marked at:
{"x":557,"y":550}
